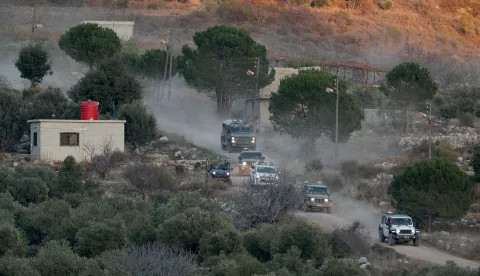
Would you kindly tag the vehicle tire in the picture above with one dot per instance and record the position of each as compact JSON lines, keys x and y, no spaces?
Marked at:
{"x":416,"y":242}
{"x":229,"y":148}
{"x":221,"y":143}
{"x":305,"y":208}
{"x":391,"y":240}
{"x":381,"y":236}
{"x":229,"y":182}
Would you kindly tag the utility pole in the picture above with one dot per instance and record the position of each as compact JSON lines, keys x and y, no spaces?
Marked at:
{"x":33,"y":21}
{"x":336,"y":122}
{"x":170,"y":72}
{"x":255,"y":93}
{"x":429,"y":130}
{"x":166,"y":63}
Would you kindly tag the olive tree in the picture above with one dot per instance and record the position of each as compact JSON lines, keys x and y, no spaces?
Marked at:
{"x":33,"y":63}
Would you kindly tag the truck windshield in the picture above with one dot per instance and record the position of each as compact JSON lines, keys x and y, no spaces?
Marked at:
{"x":251,"y":155}
{"x":266,"y":170}
{"x":317,"y":190}
{"x":241,"y":129}
{"x":401,"y":221}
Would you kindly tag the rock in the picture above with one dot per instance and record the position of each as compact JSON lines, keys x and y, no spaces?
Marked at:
{"x":191,"y":169}
{"x":362,"y":260}
{"x":448,"y":247}
{"x":460,"y":159}
{"x":15,"y":164}
{"x":178,"y":154}
{"x":440,"y":242}
{"x":164,"y":139}
{"x":365,"y":265}
{"x":382,"y":203}
{"x":445,"y":233}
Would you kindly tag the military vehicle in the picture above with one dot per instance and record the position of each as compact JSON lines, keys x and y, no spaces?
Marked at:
{"x":219,"y":170}
{"x":397,"y":228}
{"x":247,"y":158}
{"x":263,"y":173}
{"x":237,"y":134}
{"x":316,"y":197}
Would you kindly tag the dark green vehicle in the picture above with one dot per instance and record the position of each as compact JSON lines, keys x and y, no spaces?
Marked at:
{"x":237,"y":135}
{"x":316,"y":197}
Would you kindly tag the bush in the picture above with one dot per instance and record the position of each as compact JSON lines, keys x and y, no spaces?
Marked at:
{"x":12,"y":266}
{"x":29,"y":190}
{"x":101,"y":236}
{"x":57,"y":259}
{"x":349,"y":241}
{"x":431,"y":189}
{"x":386,"y":5}
{"x":297,"y":63}
{"x":440,"y":149}
{"x":149,"y":178}
{"x":11,"y":241}
{"x":228,"y":241}
{"x":349,"y":169}
{"x":321,"y":3}
{"x":238,"y":265}
{"x":334,"y":182}
{"x":476,"y":164}
{"x":366,"y":171}
{"x":339,"y":267}
{"x":186,"y":229}
{"x":70,"y":178}
{"x":466,"y":120}
{"x":314,"y":165}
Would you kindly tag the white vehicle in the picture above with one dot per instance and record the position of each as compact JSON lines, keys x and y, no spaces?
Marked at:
{"x":398,"y":229}
{"x":262,"y":173}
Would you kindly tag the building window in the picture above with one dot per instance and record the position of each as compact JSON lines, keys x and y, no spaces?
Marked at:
{"x":69,"y":139}
{"x":35,"y":139}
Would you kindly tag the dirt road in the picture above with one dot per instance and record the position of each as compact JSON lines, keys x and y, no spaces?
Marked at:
{"x":348,"y":211}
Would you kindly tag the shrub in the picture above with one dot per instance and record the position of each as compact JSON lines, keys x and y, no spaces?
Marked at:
{"x":476,"y":164}
{"x":349,"y":241}
{"x":11,"y":241}
{"x":297,"y":63}
{"x":386,"y":5}
{"x":349,"y":169}
{"x":149,"y":178}
{"x":321,"y":3}
{"x":441,"y":149}
{"x":334,"y":267}
{"x":57,"y":259}
{"x":12,"y":266}
{"x":29,"y":190}
{"x":431,"y":189}
{"x":238,"y":265}
{"x":101,"y":236}
{"x":70,"y":178}
{"x":228,"y":241}
{"x":314,"y":165}
{"x":368,"y":171}
{"x":333,"y":181}
{"x":186,"y":229}
{"x":466,"y":120}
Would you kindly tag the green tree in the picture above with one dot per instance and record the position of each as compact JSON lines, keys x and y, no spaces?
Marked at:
{"x":108,"y":84}
{"x":431,"y":189}
{"x":41,"y":105}
{"x":367,"y":97}
{"x":409,"y":83}
{"x":70,"y":177}
{"x":90,"y":43}
{"x":57,"y":259}
{"x":150,"y":64}
{"x":12,"y":123}
{"x":476,"y":163}
{"x":220,"y":63}
{"x":302,"y":108}
{"x":29,"y":190}
{"x":141,"y":126}
{"x":11,"y":241}
{"x":11,"y":266}
{"x":33,"y":63}
{"x":101,"y":236}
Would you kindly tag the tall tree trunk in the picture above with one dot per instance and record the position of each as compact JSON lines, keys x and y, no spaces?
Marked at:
{"x":224,"y":103}
{"x":311,"y":146}
{"x":407,"y":118}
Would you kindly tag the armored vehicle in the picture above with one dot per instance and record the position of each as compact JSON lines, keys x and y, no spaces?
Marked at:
{"x":247,"y":158}
{"x":237,"y":134}
{"x":316,"y":197}
{"x":218,"y":170}
{"x":262,"y":173}
{"x":397,"y":228}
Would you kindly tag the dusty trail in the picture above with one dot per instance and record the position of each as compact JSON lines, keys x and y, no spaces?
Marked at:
{"x":193,"y":115}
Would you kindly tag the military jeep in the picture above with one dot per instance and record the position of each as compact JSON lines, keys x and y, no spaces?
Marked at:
{"x":316,"y":197}
{"x":237,"y":135}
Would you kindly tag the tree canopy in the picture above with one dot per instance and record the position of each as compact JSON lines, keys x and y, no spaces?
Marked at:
{"x":150,"y":64}
{"x":220,"y":63}
{"x":410,"y":83}
{"x":433,"y":188}
{"x":141,"y":126}
{"x":303,"y":108}
{"x":90,"y":43}
{"x":107,"y":84}
{"x":33,"y":63}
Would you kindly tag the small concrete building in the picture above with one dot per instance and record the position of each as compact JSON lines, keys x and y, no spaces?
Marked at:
{"x":123,"y":29}
{"x":54,"y":140}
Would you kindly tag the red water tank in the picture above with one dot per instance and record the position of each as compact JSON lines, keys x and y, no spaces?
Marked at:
{"x":89,"y":110}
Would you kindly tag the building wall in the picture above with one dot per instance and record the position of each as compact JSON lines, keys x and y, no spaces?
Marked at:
{"x":92,"y":136}
{"x":124,"y":29}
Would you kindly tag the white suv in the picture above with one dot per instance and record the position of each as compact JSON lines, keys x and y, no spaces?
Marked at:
{"x":398,"y":229}
{"x":262,"y":173}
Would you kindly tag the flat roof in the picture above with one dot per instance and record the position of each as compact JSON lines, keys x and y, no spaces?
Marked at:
{"x":77,"y":121}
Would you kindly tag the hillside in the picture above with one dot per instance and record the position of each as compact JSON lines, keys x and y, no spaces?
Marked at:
{"x":367,"y":31}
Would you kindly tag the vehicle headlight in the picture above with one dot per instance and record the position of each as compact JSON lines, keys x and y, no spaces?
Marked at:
{"x":397,"y":231}
{"x":253,"y":140}
{"x":326,"y":200}
{"x":244,"y":163}
{"x":312,"y":199}
{"x":233,"y":139}
{"x":214,"y":173}
{"x":228,"y":173}
{"x":258,"y":176}
{"x":276,"y":177}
